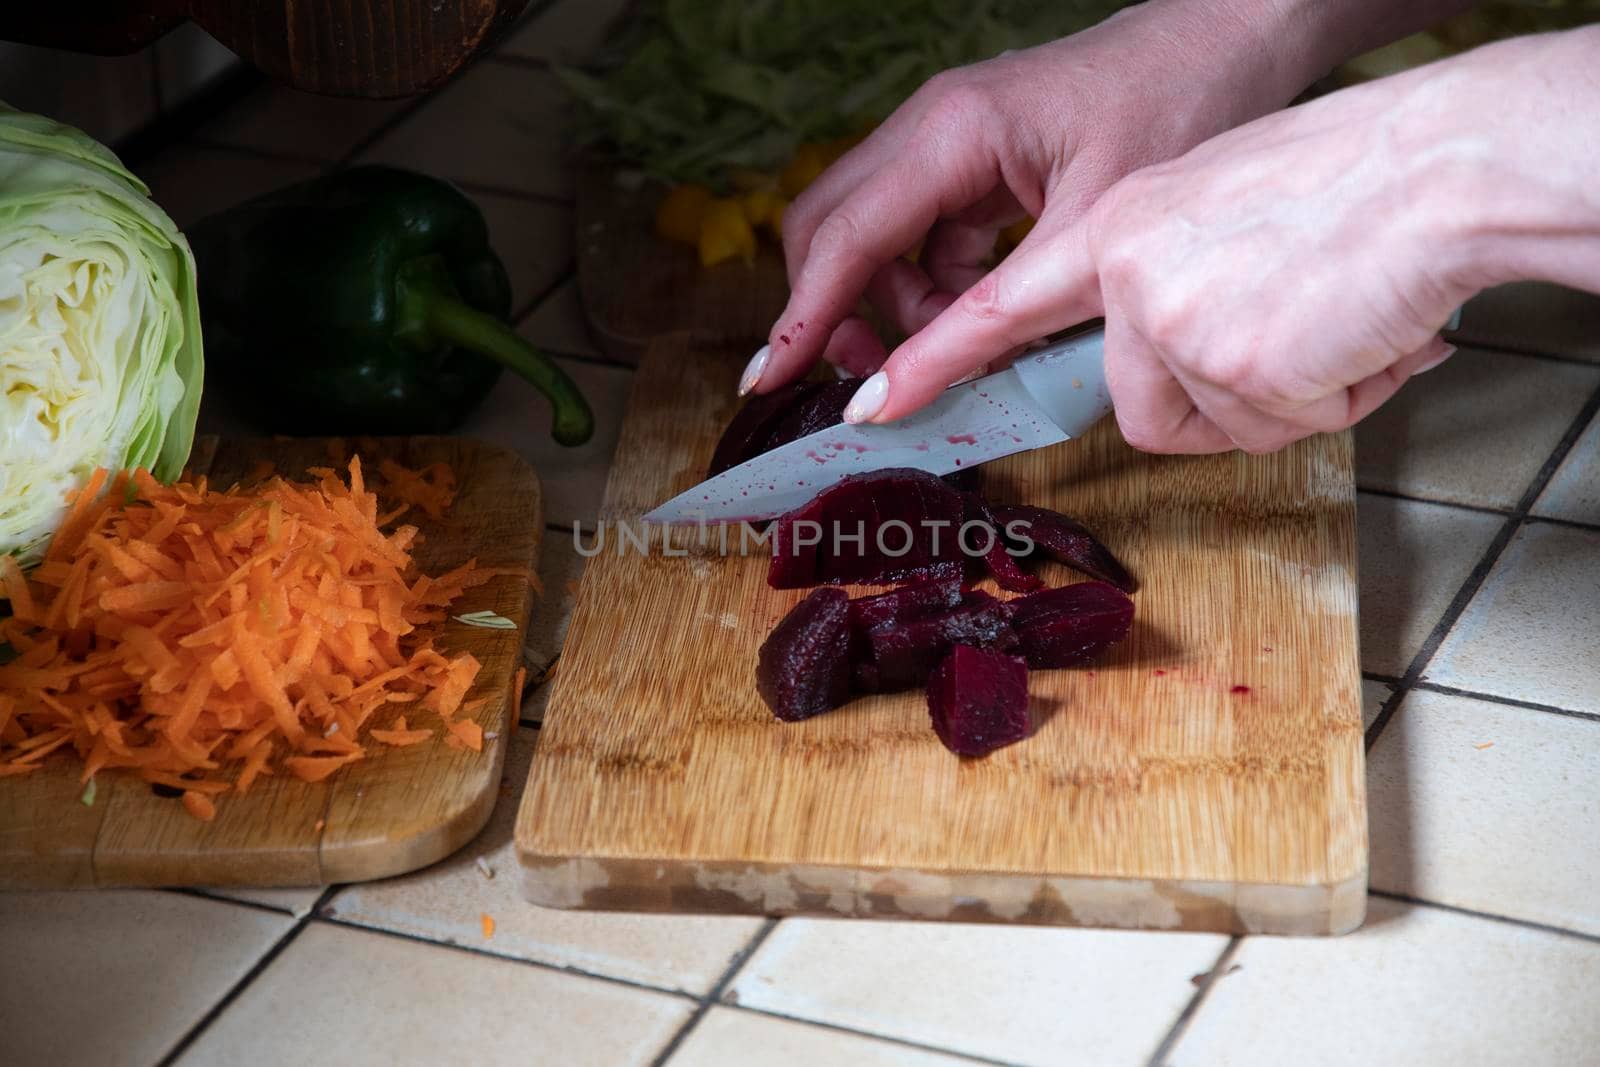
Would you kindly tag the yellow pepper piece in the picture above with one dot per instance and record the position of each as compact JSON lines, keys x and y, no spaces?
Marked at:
{"x":809,"y":161}
{"x":679,"y":215}
{"x":758,"y":205}
{"x":725,"y":233}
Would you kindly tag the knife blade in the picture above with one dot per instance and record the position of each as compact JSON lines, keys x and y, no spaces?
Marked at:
{"x":1047,"y":396}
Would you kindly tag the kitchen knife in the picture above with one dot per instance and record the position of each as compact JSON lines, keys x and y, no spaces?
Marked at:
{"x":1047,"y":396}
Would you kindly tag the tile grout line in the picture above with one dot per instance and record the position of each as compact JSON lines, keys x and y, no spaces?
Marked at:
{"x":1486,"y":698}
{"x":1395,"y":494}
{"x":887,"y":1039}
{"x":707,"y":1000}
{"x":1480,"y":572}
{"x":1508,"y":920}
{"x":714,"y":994}
{"x":1479,"y":509}
{"x":1502,"y":348}
{"x":1509,"y":702}
{"x":215,"y":1011}
{"x":473,"y":950}
{"x":569,"y":271}
{"x":1192,"y":1008}
{"x":198,"y":893}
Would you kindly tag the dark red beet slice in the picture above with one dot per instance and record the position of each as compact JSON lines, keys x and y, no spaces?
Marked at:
{"x":750,"y":429}
{"x":1063,"y":540}
{"x":894,"y":608}
{"x":815,"y":411}
{"x":904,"y":604}
{"x":1071,"y":625}
{"x":978,"y":700}
{"x":803,"y":668}
{"x":967,"y":479}
{"x":816,"y":544}
{"x":904,"y":653}
{"x":999,"y":562}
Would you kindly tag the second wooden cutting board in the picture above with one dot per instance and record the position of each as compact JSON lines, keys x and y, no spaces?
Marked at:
{"x":1207,"y":776}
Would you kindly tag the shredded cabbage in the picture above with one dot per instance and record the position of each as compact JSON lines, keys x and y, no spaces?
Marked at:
{"x":100,"y":353}
{"x":697,"y":88}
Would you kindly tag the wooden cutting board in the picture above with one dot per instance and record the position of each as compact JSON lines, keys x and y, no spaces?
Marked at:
{"x":635,"y":287}
{"x":395,"y":811}
{"x":1207,"y":776}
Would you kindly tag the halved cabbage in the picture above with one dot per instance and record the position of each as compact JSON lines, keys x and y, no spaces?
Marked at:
{"x":100,"y":355}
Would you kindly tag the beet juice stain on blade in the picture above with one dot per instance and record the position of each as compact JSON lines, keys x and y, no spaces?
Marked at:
{"x":966,"y":426}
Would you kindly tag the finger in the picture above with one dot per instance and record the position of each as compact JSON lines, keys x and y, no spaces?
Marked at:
{"x":1348,"y":406}
{"x":831,"y":187}
{"x":1154,"y":411}
{"x":1369,"y":395}
{"x":1048,"y":283}
{"x":856,"y":348}
{"x":1247,"y":427}
{"x":954,"y":252}
{"x":904,"y":294}
{"x":871,"y":227}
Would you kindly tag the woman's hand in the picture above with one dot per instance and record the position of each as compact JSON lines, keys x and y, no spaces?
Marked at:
{"x":1287,"y":277}
{"x":1043,"y":133}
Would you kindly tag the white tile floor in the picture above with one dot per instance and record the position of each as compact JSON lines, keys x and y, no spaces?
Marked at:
{"x":1482,"y":944}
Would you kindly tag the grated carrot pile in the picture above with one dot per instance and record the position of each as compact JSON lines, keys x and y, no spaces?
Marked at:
{"x":204,"y":639}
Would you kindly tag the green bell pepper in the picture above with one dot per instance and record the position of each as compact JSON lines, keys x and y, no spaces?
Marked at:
{"x":367,"y":301}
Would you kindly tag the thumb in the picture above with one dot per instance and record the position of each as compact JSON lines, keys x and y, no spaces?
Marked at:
{"x":1046,"y":284}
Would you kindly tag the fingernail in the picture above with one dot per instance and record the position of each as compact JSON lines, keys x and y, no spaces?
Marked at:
{"x":972,"y":375}
{"x":754,"y":370}
{"x":869,"y":399}
{"x":1444,"y":354}
{"x":1454,"y":322}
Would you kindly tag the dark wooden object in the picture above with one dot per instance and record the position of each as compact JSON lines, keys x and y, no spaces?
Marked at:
{"x":366,"y":48}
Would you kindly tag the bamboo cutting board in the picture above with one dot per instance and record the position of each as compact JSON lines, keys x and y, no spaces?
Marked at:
{"x":395,"y":811}
{"x":1207,"y":776}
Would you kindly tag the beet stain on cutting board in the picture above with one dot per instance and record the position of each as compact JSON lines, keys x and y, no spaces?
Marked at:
{"x":1206,"y":774}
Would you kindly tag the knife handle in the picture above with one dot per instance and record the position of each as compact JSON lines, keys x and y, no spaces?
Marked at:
{"x":1068,"y":380}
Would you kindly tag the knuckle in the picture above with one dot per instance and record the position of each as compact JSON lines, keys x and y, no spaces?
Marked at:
{"x":959,"y":105}
{"x":987,"y":301}
{"x":1145,"y":437}
{"x":836,"y":233}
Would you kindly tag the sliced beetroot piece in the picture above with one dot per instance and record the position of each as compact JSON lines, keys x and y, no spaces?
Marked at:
{"x":999,"y":562}
{"x":978,"y":700}
{"x":751,"y":428}
{"x":902,"y":654}
{"x":803,"y":668}
{"x":817,"y":543}
{"x":966,"y":480}
{"x":1070,"y":625}
{"x":897,"y":607}
{"x":1063,"y":540}
{"x":818,"y":410}
{"x":909,"y":602}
